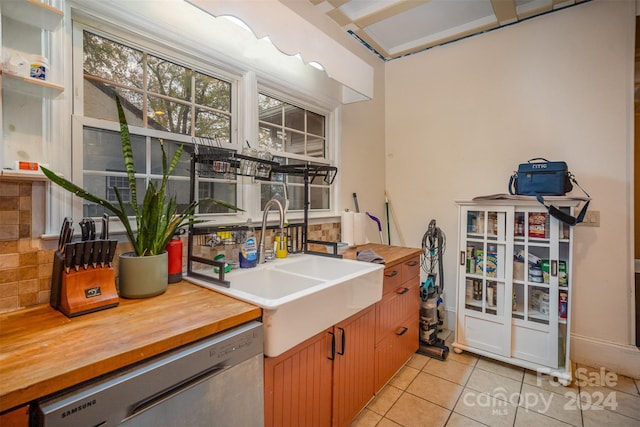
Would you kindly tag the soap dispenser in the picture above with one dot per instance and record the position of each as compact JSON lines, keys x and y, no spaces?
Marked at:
{"x":249,"y":249}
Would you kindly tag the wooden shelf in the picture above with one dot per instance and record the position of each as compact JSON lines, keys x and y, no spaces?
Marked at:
{"x":30,"y":86}
{"x":33,"y":12}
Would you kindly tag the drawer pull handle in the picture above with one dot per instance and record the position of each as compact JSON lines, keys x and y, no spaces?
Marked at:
{"x":412,"y":263}
{"x":392,"y":274}
{"x":342,"y":334}
{"x":402,"y":291}
{"x":333,"y":346}
{"x":402,"y":331}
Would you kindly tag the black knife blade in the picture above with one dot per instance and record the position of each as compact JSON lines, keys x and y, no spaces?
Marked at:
{"x":86,"y":253}
{"x":77,"y":255}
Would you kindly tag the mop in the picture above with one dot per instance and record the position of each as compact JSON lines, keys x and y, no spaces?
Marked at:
{"x":377,"y":221}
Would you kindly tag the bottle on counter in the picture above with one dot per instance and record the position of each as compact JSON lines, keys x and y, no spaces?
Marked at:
{"x":248,"y":255}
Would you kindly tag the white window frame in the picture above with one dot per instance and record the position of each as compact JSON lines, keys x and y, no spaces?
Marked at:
{"x":246,"y":84}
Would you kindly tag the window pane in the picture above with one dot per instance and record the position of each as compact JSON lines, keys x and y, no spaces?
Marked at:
{"x":268,"y":190}
{"x":319,"y":197}
{"x":315,"y":147}
{"x":270,"y":109}
{"x":296,"y":197}
{"x":102,"y":151}
{"x":315,"y":123}
{"x":170,"y":147}
{"x":270,"y":137}
{"x":295,"y":143}
{"x":102,"y":186}
{"x":179,"y":189}
{"x":112,"y":61}
{"x":212,"y":125}
{"x":212,"y":92}
{"x":170,"y":116}
{"x":100,"y":103}
{"x":219,"y":191}
{"x":294,"y":118}
{"x":168,"y":79}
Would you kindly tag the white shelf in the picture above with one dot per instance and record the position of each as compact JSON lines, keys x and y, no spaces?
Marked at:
{"x":30,"y":86}
{"x":32,"y":12}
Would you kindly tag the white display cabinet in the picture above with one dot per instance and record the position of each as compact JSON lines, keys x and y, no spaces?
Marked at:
{"x":29,"y":27}
{"x":514,"y":284}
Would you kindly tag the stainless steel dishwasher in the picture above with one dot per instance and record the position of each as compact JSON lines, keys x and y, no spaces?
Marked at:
{"x":217,"y":381}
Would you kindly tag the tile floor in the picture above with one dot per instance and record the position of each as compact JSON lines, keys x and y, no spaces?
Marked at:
{"x":470,"y":390}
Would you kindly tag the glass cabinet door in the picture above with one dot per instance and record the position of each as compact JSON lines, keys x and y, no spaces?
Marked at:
{"x":485,"y":262}
{"x":484,"y":320}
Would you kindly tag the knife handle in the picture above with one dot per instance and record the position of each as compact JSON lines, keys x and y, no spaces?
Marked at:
{"x":77,"y":258}
{"x":68,"y":256}
{"x":112,"y":251}
{"x":104,"y":233}
{"x":104,"y":252}
{"x":86,"y":253}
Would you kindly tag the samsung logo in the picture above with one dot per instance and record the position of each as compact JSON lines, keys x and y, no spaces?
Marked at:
{"x":78,"y":408}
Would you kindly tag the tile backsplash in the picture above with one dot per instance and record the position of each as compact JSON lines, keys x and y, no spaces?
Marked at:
{"x":26,"y":260}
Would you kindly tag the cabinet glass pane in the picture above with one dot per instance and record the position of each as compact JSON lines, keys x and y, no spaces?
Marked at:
{"x":538,"y":304}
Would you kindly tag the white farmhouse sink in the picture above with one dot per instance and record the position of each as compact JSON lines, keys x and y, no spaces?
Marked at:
{"x":303,"y":295}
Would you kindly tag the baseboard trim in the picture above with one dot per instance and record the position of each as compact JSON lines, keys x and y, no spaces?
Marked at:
{"x":619,"y":358}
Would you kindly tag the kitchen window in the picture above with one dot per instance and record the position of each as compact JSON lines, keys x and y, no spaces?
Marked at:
{"x":297,"y":136}
{"x":165,"y":103}
{"x":174,"y":97}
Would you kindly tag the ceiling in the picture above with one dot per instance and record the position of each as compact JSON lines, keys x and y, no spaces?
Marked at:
{"x":396,"y":28}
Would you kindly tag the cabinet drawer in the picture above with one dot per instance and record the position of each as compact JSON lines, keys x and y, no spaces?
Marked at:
{"x":392,"y":279}
{"x":411,"y":269}
{"x":396,"y":307}
{"x":394,"y":351}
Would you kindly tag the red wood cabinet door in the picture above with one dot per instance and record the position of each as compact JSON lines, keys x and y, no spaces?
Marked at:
{"x":353,"y":366}
{"x":298,"y":385}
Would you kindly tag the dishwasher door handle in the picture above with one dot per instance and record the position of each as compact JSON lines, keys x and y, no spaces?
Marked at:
{"x":151,"y":401}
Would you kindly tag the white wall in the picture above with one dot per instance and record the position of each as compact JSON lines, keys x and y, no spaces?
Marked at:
{"x":460,"y":117}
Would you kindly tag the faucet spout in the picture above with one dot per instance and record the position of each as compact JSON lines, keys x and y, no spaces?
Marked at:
{"x":273,"y":202}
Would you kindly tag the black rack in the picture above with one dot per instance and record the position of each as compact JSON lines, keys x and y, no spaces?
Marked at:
{"x":210,"y":160}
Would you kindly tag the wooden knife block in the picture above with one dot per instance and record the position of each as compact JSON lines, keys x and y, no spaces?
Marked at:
{"x":84,"y":291}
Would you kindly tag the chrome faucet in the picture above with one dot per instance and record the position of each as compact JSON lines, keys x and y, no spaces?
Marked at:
{"x":271,"y":203}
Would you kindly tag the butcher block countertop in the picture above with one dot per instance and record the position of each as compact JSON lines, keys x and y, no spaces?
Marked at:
{"x":42,"y":351}
{"x":393,"y":255}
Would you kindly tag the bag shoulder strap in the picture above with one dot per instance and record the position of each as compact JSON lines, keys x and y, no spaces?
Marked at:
{"x":513,"y":183}
{"x":566,"y":218}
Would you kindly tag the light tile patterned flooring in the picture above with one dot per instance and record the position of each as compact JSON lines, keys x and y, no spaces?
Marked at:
{"x":470,"y":390}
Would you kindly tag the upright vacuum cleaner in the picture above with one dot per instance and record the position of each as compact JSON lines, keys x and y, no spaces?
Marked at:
{"x":433,"y":244}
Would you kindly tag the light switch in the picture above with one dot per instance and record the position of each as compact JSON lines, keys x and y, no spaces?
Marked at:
{"x":591,"y":219}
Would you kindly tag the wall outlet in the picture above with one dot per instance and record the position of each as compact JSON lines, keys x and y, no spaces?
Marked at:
{"x":591,"y":219}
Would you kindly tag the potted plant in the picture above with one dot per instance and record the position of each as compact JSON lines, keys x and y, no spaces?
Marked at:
{"x":143,"y":272}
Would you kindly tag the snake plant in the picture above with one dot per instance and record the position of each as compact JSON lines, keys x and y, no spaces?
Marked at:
{"x":158,"y":219}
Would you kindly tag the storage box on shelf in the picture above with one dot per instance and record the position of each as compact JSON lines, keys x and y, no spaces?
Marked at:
{"x":514,"y":284}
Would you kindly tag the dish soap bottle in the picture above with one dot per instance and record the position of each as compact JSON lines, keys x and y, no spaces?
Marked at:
{"x":249,"y":248}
